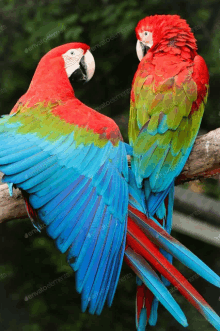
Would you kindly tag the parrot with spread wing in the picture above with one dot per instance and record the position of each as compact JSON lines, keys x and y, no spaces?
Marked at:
{"x":68,"y":159}
{"x":168,"y":95}
{"x":70,"y":163}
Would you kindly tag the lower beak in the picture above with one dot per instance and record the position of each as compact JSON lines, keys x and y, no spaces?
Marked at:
{"x":144,"y":48}
{"x":82,"y":65}
{"x":77,"y":77}
{"x":141,"y":49}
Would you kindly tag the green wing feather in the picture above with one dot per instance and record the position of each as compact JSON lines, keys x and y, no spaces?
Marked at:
{"x":162,"y":128}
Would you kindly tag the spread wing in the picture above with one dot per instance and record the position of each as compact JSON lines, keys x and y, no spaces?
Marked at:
{"x":76,"y":181}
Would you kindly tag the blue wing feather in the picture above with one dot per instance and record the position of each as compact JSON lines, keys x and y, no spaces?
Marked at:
{"x":31,"y":185}
{"x":71,"y":187}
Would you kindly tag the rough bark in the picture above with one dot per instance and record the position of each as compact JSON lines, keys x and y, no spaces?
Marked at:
{"x":11,"y":207}
{"x":203,"y":162}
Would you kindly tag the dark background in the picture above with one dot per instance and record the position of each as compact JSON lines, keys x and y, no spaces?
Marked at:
{"x":28,"y":260}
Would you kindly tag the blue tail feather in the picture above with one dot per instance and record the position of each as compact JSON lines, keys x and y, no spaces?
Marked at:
{"x":153,"y":282}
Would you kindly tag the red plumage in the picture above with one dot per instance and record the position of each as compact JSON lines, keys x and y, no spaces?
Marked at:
{"x":50,"y":84}
{"x":172,"y":59}
{"x":174,"y":50}
{"x":143,"y":246}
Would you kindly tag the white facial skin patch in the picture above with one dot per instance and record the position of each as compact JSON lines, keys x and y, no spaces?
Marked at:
{"x":146,"y":38}
{"x":72,"y":60}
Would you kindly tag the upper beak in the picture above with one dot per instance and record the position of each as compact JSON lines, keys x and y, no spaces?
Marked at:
{"x":87,"y":66}
{"x":141,"y":49}
{"x":84,"y":71}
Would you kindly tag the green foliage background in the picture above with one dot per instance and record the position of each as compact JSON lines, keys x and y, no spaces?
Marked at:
{"x":28,"y":262}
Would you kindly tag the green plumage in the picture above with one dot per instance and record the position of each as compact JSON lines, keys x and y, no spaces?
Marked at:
{"x":41,"y":121}
{"x":161,"y":117}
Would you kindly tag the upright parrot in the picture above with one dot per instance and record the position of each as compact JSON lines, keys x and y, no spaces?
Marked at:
{"x":168,"y":95}
{"x":70,"y":163}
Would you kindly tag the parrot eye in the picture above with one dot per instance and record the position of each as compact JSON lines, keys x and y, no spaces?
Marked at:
{"x":72,"y":53}
{"x":145,"y":33}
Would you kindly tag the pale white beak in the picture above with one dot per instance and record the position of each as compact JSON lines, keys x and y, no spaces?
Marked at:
{"x":139,"y":50}
{"x":90,"y":64}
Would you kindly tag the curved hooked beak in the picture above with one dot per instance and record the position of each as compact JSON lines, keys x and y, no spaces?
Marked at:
{"x":87,"y":66}
{"x":141,"y":49}
{"x":88,"y":63}
{"x":85,"y":70}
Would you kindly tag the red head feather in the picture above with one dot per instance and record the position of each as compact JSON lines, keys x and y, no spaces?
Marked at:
{"x":167,"y":30}
{"x":50,"y":81}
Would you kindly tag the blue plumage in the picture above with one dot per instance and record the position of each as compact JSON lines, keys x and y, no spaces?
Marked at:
{"x":153,"y":314}
{"x":66,"y":237}
{"x":31,"y":185}
{"x":50,"y":180}
{"x":142,"y":320}
{"x":153,"y":282}
{"x":118,"y":264}
{"x":70,"y":186}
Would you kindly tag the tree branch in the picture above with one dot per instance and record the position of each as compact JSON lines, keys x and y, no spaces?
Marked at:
{"x":11,"y":207}
{"x":203,"y":162}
